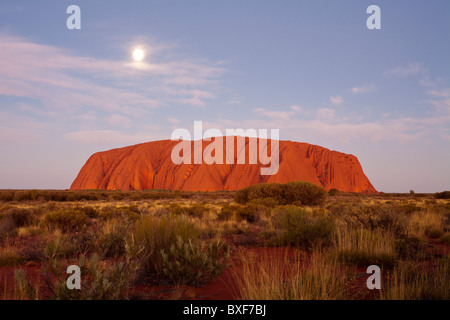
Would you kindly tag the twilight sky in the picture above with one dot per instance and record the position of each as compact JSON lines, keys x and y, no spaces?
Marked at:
{"x":310,"y":68}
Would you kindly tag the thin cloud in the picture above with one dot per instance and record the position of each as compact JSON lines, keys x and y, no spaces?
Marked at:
{"x":336,"y":101}
{"x":112,"y":137}
{"x":409,"y":70}
{"x":60,"y":79}
{"x":363,"y":89}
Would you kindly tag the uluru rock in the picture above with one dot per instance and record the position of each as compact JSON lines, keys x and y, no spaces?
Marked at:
{"x":150,"y":166}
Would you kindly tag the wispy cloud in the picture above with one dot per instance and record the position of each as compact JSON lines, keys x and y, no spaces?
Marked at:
{"x":61,"y":79}
{"x":328,"y":125}
{"x":366,"y":88}
{"x":337,"y":100}
{"x":67,"y":85}
{"x":278,"y":114}
{"x":113,"y":136}
{"x":411,"y":69}
{"x":326,"y":113}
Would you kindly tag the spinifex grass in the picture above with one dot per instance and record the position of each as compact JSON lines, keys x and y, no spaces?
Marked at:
{"x":362,"y":247}
{"x":290,"y":278}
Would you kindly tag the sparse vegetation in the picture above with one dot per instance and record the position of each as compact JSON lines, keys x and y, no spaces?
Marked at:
{"x":307,"y":193}
{"x":126,"y":241}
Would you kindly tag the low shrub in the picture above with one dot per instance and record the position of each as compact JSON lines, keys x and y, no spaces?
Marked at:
{"x":99,"y":281}
{"x":10,"y":257}
{"x":442,"y":195}
{"x":251,"y":212}
{"x":193,"y":263}
{"x":433,"y":232}
{"x":58,"y":248}
{"x":300,"y":228}
{"x":172,"y":252}
{"x":333,"y":192}
{"x":308,"y":193}
{"x":20,"y":217}
{"x":195,"y":210}
{"x":445,"y":238}
{"x":111,"y":244}
{"x":267,"y":202}
{"x":227,"y":212}
{"x":411,"y":248}
{"x":65,"y":219}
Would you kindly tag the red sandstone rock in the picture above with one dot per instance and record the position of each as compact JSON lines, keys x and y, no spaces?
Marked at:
{"x":149,"y":166}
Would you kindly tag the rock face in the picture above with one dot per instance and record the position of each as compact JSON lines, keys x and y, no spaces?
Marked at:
{"x":150,"y":166}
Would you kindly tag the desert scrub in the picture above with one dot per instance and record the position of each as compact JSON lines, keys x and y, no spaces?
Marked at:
{"x":10,"y":256}
{"x":267,"y":202}
{"x":13,"y":218}
{"x":445,"y":238}
{"x":307,"y":193}
{"x":442,"y":195}
{"x":59,"y":247}
{"x":232,"y":227}
{"x":251,"y":212}
{"x":24,"y":289}
{"x":363,"y":247}
{"x":333,"y":192}
{"x":299,"y":227}
{"x":381,"y":217}
{"x":427,"y":223}
{"x":172,"y":252}
{"x":411,"y":248}
{"x":195,"y":210}
{"x":99,"y":280}
{"x":66,"y":220}
{"x":193,"y":263}
{"x":130,"y":213}
{"x":29,"y":231}
{"x":290,"y":279}
{"x":227,"y":212}
{"x":159,"y":233}
{"x":411,"y":280}
{"x":20,"y":216}
{"x":111,"y":241}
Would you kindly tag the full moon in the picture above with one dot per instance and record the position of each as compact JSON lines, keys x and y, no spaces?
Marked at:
{"x":138,"y":54}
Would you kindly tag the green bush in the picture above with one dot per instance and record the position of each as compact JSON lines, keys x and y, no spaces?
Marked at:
{"x":442,"y":195}
{"x":333,"y":192}
{"x":301,"y":228}
{"x":433,"y":232}
{"x":250,"y":213}
{"x":111,"y":244}
{"x":156,"y":234}
{"x":59,"y":248}
{"x":267,"y":202}
{"x":99,"y":281}
{"x":6,"y":196}
{"x":445,"y":238}
{"x":372,"y":216}
{"x":20,"y":217}
{"x":172,"y":252}
{"x":227,"y":212}
{"x":307,"y":193}
{"x":410,"y":248}
{"x":191,"y":263}
{"x":65,"y":219}
{"x":10,"y":257}
{"x":195,"y":210}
